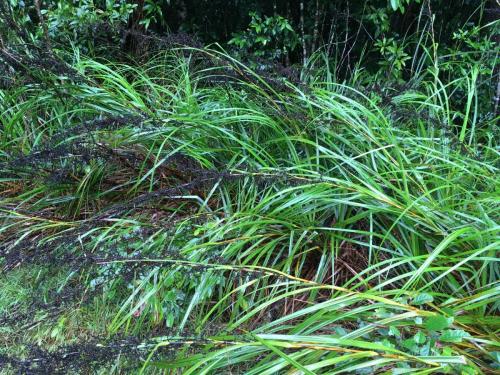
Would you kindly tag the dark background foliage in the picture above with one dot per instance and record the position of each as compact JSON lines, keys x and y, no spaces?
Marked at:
{"x":387,"y":39}
{"x":351,"y":25}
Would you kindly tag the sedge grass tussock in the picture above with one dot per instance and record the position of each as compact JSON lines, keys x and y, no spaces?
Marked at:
{"x":195,"y":215}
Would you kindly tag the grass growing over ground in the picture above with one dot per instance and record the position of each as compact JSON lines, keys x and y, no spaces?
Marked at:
{"x":192,"y":216}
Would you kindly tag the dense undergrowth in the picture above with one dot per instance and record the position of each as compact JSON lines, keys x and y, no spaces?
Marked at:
{"x":192,"y":216}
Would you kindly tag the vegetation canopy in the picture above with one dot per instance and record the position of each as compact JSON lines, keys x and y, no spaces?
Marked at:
{"x":250,"y":187}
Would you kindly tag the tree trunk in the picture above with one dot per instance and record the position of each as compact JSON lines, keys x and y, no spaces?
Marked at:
{"x":132,"y":43}
{"x":304,"y":48}
{"x":43,"y":24}
{"x":316,"y":27}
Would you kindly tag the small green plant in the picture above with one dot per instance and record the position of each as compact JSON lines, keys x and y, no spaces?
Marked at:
{"x":474,"y":47}
{"x":153,"y":12}
{"x":271,"y":37}
{"x":401,"y":4}
{"x":67,"y":16}
{"x":72,"y":20}
{"x":394,"y":57}
{"x":379,"y":18}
